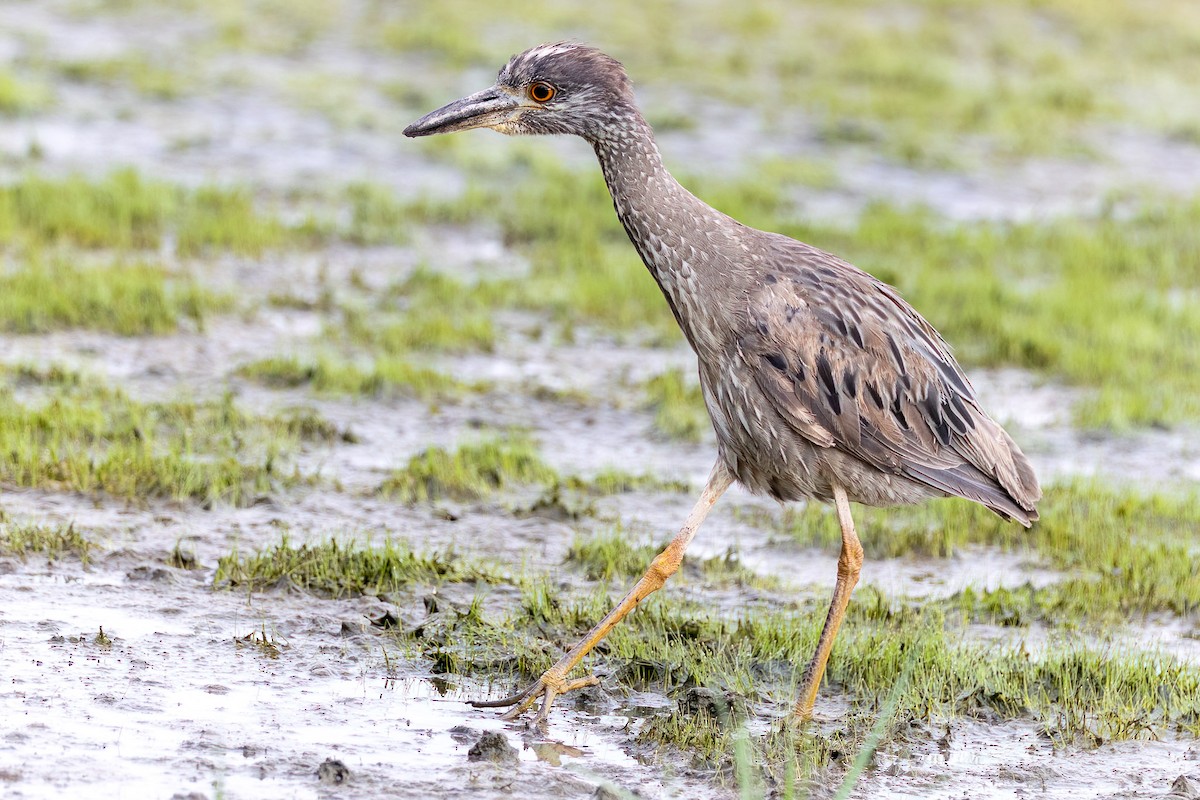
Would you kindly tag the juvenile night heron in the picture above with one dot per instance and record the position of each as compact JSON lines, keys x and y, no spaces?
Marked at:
{"x":821,"y":381}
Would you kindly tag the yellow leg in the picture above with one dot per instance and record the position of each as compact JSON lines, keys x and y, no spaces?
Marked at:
{"x":554,"y":680}
{"x":849,"y":566}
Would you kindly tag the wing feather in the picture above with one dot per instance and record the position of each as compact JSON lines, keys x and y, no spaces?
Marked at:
{"x":850,"y":365}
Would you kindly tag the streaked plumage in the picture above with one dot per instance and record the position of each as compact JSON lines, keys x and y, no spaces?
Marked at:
{"x":820,"y":379}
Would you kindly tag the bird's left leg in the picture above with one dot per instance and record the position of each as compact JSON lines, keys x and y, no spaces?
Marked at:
{"x":554,"y":680}
{"x":849,"y":565}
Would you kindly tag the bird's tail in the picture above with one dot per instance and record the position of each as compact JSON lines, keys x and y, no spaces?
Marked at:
{"x":995,"y":474}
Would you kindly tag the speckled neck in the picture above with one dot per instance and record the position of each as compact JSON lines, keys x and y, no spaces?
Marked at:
{"x":671,"y":228}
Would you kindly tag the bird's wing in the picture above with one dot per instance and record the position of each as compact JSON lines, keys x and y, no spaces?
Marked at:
{"x":850,"y":365}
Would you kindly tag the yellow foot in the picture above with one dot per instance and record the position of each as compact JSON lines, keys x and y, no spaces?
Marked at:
{"x":548,"y":687}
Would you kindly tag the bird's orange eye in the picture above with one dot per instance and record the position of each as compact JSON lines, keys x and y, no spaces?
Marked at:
{"x":541,"y":91}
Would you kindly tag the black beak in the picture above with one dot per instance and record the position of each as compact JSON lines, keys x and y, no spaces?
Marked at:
{"x":480,"y":110}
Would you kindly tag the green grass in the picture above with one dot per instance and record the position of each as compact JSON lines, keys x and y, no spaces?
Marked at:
{"x":421,"y":328}
{"x":1123,"y":554}
{"x":126,"y":298}
{"x":270,"y":26}
{"x":153,"y":80}
{"x":678,"y":406}
{"x":609,"y":555}
{"x":86,"y":437}
{"x":582,"y":267}
{"x":477,"y":469}
{"x":338,"y":570}
{"x":672,"y":644}
{"x":328,"y":374}
{"x":472,"y":471}
{"x":617,"y":481}
{"x":46,"y":375}
{"x":20,"y":96}
{"x":750,"y":653}
{"x":376,"y":216}
{"x":128,"y":211}
{"x":427,"y":311}
{"x":21,"y":539}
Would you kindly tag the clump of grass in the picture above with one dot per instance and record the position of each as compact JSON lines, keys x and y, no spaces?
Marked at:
{"x":127,"y":211}
{"x":182,"y":558}
{"x":152,"y":80}
{"x":421,"y":328}
{"x":476,"y":470}
{"x":271,"y":28}
{"x":212,"y":217}
{"x":129,"y":299}
{"x":472,"y":471}
{"x":678,"y":406}
{"x":617,"y":481}
{"x":376,"y":216}
{"x":267,"y":644}
{"x":385,"y":375}
{"x":611,"y":555}
{"x":94,"y":439}
{"x":18,"y":96}
{"x":605,"y":556}
{"x":339,"y":570}
{"x":307,"y":424}
{"x":415,"y":315}
{"x":54,"y":542}
{"x":1123,"y":550}
{"x":44,"y":375}
{"x":572,"y":497}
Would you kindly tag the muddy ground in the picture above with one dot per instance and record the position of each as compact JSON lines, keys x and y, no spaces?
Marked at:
{"x":133,"y":678}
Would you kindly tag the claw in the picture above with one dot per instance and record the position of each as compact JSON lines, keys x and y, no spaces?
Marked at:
{"x":548,"y":687}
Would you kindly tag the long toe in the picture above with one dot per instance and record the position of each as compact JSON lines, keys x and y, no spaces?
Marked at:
{"x":547,"y":687}
{"x":504,"y":702}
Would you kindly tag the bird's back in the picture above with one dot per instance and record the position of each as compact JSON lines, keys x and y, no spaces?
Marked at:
{"x":828,"y":375}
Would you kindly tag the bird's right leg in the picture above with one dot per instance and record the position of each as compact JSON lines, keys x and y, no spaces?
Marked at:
{"x":849,"y":566}
{"x":554,"y":680}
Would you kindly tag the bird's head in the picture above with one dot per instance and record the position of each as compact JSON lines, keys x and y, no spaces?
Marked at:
{"x":564,"y":87}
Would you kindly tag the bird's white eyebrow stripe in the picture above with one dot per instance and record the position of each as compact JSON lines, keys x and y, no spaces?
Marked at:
{"x":539,"y":52}
{"x":549,"y":50}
